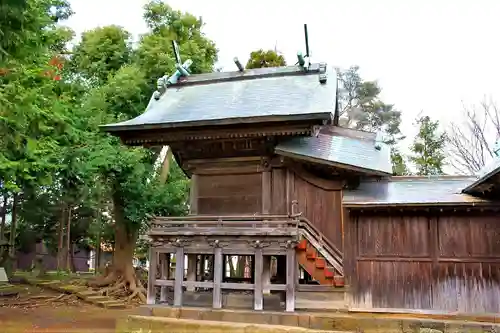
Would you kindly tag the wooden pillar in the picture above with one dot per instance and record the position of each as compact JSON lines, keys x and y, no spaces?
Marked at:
{"x":217,"y":273}
{"x":179,"y":276}
{"x":266,"y":275}
{"x":258,"y":266}
{"x":266,"y":192}
{"x":151,"y":295}
{"x":291,"y":269}
{"x":191,"y":270}
{"x":193,"y":195}
{"x":165,"y":274}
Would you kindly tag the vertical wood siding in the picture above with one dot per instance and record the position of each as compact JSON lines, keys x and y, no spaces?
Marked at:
{"x":322,"y":207}
{"x":433,"y":262}
{"x":230,"y":194}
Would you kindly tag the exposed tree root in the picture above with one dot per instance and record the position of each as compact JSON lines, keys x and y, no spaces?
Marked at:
{"x":114,"y":283}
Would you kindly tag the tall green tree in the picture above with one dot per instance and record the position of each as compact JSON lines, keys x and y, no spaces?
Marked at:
{"x":261,"y":58}
{"x":428,"y":147}
{"x":101,"y":53}
{"x":122,"y":92}
{"x":362,"y":108}
{"x":34,"y":113}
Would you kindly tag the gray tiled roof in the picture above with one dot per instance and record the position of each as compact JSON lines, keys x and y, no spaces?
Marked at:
{"x":444,"y":190}
{"x":240,"y":97}
{"x":340,"y":151}
{"x":486,"y":176}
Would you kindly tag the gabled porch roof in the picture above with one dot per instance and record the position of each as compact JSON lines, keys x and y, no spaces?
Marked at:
{"x":341,"y":148}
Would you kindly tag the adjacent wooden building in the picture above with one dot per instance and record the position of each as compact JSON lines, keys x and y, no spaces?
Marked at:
{"x":274,"y":177}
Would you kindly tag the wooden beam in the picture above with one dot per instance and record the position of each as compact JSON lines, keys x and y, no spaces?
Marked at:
{"x":166,"y":283}
{"x":151,"y":295}
{"x":217,"y":273}
{"x":291,"y":268}
{"x":179,"y":276}
{"x":165,"y":274}
{"x":258,"y":303}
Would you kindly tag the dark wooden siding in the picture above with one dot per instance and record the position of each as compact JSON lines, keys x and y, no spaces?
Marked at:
{"x":229,"y":194}
{"x":434,"y":262}
{"x":280,"y":202}
{"x":321,"y":206}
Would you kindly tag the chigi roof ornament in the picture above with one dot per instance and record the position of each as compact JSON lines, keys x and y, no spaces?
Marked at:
{"x":303,"y":60}
{"x":322,"y":73}
{"x":182,"y":71}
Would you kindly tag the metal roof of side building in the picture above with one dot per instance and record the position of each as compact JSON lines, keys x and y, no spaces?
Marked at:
{"x":488,"y":181}
{"x":412,"y":191}
{"x":251,"y":96}
{"x":342,"y":148}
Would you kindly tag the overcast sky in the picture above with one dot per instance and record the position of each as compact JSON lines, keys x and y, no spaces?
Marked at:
{"x":427,"y":55}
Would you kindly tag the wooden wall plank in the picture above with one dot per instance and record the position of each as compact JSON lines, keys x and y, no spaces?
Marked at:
{"x":322,"y":207}
{"x":230,"y":194}
{"x":445,"y":262}
{"x":279,"y":192}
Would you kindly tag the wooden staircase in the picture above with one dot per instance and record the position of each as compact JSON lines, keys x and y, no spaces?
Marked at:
{"x":316,"y":266}
{"x":318,"y":257}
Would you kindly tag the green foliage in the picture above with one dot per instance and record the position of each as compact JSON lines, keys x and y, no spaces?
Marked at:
{"x":428,"y":148}
{"x":261,"y":59}
{"x":52,"y":151}
{"x":101,"y":53}
{"x":399,"y":167}
{"x":154,"y":54}
{"x":26,"y":27}
{"x":34,"y":112}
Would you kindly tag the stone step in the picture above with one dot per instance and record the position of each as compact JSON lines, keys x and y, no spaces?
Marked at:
{"x":162,"y":325}
{"x":317,"y":321}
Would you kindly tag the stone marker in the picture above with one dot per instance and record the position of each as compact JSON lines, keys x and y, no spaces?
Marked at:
{"x":3,"y":276}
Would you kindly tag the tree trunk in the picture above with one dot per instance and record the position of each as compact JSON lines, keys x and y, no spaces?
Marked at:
{"x":60,"y":244}
{"x":69,"y":250}
{"x":122,"y":271}
{"x":124,"y":252}
{"x":13,"y":225}
{"x":72,"y":266}
{"x":97,"y":264}
{"x":3,"y":216}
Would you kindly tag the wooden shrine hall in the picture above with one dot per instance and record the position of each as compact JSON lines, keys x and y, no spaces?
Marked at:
{"x":275,"y":178}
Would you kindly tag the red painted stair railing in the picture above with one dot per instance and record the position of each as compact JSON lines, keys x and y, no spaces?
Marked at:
{"x":318,"y":257}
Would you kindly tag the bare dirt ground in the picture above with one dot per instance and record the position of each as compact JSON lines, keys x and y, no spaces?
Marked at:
{"x":36,"y":310}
